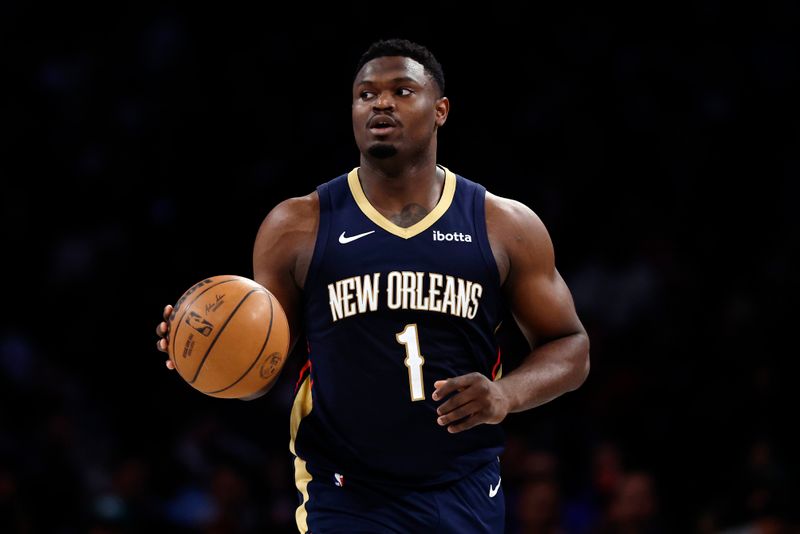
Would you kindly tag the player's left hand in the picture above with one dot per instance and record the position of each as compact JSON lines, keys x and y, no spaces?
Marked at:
{"x":478,"y":400}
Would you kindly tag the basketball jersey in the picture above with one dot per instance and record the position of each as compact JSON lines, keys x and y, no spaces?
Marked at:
{"x":388,"y":312}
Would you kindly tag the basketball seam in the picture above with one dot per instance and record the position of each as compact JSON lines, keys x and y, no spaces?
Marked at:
{"x":219,"y":332}
{"x":173,"y":336}
{"x":260,"y":352}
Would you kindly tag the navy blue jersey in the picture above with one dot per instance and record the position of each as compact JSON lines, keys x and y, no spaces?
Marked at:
{"x":388,"y":312}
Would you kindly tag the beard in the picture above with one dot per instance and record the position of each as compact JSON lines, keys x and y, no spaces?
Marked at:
{"x":382,"y":151}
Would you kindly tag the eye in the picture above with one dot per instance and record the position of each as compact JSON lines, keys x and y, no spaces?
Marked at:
{"x":366,"y":95}
{"x":405,"y":91}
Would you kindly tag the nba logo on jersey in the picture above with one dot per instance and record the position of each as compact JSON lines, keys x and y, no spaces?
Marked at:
{"x":339,"y":479}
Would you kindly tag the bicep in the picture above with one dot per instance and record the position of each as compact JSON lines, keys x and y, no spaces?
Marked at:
{"x":543,"y":307}
{"x":279,"y":246}
{"x":540,"y":300}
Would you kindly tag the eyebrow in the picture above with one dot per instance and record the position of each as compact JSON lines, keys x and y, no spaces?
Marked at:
{"x":399,"y":79}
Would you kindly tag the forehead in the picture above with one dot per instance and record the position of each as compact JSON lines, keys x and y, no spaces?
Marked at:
{"x":388,"y":68}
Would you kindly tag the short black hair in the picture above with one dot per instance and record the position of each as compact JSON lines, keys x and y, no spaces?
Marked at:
{"x":405,"y":48}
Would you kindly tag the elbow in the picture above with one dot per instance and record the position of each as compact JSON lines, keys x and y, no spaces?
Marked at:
{"x":582,"y":361}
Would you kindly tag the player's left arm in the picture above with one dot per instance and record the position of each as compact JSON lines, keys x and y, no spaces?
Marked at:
{"x":543,"y":307}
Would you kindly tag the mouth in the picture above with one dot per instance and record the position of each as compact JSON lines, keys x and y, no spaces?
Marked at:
{"x":382,"y":125}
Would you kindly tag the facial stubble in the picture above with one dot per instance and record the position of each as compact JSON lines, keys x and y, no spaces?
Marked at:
{"x":382,"y":151}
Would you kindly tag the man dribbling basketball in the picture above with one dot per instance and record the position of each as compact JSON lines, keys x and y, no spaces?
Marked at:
{"x":398,"y":273}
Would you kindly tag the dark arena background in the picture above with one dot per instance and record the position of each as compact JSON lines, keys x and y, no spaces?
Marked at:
{"x":660,"y":146}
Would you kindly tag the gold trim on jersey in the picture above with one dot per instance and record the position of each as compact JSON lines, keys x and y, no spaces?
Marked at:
{"x":301,"y":479}
{"x":301,"y":408}
{"x":416,"y":228}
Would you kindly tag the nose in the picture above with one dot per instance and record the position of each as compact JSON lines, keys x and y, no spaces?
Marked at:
{"x":385,"y":101}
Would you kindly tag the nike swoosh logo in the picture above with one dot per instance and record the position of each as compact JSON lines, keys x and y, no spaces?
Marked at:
{"x":493,"y":491}
{"x":345,"y":240}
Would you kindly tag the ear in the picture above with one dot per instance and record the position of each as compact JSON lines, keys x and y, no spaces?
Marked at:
{"x":442,"y":109}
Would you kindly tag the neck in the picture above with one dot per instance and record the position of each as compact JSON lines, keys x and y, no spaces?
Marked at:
{"x":396,"y":192}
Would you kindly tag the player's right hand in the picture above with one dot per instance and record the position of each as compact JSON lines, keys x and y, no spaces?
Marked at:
{"x":162,"y":331}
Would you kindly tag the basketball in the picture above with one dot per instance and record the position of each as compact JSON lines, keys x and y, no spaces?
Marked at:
{"x":228,"y":337}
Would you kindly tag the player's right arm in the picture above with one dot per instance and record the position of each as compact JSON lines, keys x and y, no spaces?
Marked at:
{"x":281,"y":255}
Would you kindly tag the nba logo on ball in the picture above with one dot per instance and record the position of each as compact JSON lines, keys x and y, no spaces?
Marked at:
{"x":196,"y":321}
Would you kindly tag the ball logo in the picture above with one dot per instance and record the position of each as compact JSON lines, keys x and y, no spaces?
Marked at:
{"x":270,"y":365}
{"x":452,"y":236}
{"x":196,"y":321}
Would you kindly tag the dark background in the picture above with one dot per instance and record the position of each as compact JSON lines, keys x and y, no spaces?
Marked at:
{"x":144,"y":145}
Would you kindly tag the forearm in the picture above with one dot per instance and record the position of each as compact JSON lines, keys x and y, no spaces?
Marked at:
{"x":549,"y":371}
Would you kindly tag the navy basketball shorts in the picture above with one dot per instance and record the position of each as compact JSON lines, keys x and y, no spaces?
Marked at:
{"x":474,"y":504}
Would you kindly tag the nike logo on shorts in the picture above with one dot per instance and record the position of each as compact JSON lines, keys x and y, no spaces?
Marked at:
{"x":345,"y":240}
{"x":493,"y":490}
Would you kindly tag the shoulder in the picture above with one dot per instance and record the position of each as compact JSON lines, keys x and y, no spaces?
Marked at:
{"x":288,"y":233}
{"x":512,"y":214}
{"x":517,"y":235}
{"x":291,"y":225}
{"x":507,"y":213}
{"x":292,"y":214}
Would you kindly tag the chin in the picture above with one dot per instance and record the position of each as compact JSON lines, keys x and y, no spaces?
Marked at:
{"x":382,"y":150}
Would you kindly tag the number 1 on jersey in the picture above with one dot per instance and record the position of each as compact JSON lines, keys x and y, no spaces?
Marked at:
{"x":414,"y":360}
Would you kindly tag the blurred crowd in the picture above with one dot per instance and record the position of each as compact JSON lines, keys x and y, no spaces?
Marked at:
{"x":147,"y":149}
{"x":71,"y":464}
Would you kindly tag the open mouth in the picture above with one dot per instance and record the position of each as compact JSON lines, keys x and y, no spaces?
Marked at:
{"x":381,"y":125}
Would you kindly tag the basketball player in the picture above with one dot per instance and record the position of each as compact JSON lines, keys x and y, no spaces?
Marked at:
{"x":398,"y":272}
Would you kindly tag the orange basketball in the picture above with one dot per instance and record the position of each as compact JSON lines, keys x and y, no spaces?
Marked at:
{"x":228,"y":337}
